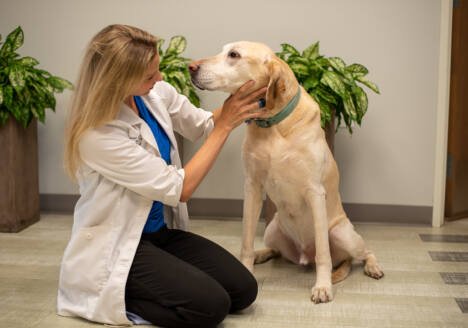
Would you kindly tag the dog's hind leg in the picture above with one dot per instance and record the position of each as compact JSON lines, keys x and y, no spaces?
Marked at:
{"x":344,"y":237}
{"x":265,"y":255}
{"x":277,"y":243}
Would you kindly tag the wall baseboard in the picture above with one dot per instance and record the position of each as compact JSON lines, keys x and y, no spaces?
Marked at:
{"x":232,"y":209}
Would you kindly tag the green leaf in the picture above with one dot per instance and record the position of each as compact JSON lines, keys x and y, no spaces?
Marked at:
{"x":176,"y":45}
{"x":360,"y":98}
{"x":325,"y":109}
{"x":16,"y":77}
{"x":42,"y":72}
{"x":312,"y":51}
{"x":8,"y":96}
{"x":289,"y":49}
{"x":369,"y":84}
{"x":323,"y":62}
{"x":193,"y":97}
{"x":338,"y":64}
{"x":281,"y":55}
{"x":299,"y":69}
{"x":357,"y":70}
{"x":59,"y":83}
{"x":160,"y":44}
{"x":310,"y":83}
{"x":178,"y":78}
{"x":349,"y":106}
{"x":333,"y":80}
{"x":298,"y":60}
{"x":41,"y":113}
{"x":327,"y":96}
{"x":28,"y":61}
{"x":13,"y":41}
{"x":1,"y":95}
{"x":174,"y":63}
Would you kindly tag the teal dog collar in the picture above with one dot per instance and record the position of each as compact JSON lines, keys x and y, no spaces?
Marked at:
{"x":270,"y":121}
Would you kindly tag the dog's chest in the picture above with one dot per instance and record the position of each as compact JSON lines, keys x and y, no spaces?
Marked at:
{"x":279,"y":165}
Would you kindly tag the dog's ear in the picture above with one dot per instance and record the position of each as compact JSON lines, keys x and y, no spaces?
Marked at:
{"x":276,"y":85}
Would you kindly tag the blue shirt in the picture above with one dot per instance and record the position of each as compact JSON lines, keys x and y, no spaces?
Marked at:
{"x":156,"y":216}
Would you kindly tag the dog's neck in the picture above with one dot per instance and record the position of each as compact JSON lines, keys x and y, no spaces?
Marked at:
{"x":283,"y":100}
{"x":283,"y":106}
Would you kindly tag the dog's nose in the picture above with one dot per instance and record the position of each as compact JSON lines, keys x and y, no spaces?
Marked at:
{"x":193,"y":67}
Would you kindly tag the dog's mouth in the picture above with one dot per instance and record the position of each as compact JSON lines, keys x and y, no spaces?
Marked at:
{"x":197,"y":84}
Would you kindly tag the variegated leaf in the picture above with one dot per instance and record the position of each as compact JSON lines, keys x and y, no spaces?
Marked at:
{"x":28,"y":61}
{"x":310,"y":83}
{"x":16,"y":77}
{"x":361,"y":100}
{"x":8,"y":96}
{"x":59,"y":83}
{"x":326,"y":96}
{"x":177,"y":45}
{"x":349,"y":106}
{"x":160,"y":44}
{"x":299,"y":68}
{"x":333,"y":80}
{"x":324,"y":63}
{"x":312,"y":51}
{"x":287,"y":48}
{"x":357,"y":70}
{"x":369,"y":84}
{"x":13,"y":41}
{"x":338,"y":64}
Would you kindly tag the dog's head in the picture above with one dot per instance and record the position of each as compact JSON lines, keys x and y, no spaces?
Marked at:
{"x":240,"y":62}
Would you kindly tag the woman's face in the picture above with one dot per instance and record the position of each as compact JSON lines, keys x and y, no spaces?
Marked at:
{"x":152,"y":75}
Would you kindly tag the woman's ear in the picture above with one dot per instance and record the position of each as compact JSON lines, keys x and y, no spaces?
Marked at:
{"x":275,"y":85}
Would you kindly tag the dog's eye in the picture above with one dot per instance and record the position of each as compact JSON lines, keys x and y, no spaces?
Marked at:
{"x":234,"y":54}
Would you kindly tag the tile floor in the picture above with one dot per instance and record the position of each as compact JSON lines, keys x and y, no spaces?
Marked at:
{"x":417,"y":291}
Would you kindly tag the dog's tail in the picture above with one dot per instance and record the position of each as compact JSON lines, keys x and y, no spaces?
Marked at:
{"x":342,"y":272}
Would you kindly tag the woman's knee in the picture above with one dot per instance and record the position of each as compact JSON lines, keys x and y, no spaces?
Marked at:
{"x":247,"y":292}
{"x":215,"y":307}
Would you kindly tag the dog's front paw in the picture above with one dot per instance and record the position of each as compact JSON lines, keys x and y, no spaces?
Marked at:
{"x":321,"y":294}
{"x":373,"y":270}
{"x":248,"y":262}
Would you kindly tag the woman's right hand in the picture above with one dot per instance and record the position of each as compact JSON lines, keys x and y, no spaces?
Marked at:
{"x":241,"y":106}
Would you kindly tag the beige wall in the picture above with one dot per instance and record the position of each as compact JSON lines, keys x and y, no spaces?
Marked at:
{"x":389,"y":160}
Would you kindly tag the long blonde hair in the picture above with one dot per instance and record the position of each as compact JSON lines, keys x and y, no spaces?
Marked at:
{"x":113,"y":66}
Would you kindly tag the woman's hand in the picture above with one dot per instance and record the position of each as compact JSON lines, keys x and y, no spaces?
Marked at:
{"x":241,"y":106}
{"x":236,"y":109}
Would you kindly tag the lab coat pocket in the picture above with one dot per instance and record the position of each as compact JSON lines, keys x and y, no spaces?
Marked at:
{"x":88,"y":257}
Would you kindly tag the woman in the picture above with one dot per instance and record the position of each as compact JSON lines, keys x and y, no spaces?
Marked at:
{"x":125,"y":258}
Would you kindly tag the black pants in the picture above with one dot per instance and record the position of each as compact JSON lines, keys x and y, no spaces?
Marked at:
{"x":179,"y":279}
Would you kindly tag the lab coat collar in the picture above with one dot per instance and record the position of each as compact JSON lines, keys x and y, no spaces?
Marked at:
{"x":127,"y":115}
{"x":162,"y":118}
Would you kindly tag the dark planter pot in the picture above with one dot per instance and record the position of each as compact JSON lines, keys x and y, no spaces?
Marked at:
{"x":19,"y":177}
{"x":269,"y":208}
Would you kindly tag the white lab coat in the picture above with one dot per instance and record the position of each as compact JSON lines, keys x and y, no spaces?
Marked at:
{"x":122,"y":174}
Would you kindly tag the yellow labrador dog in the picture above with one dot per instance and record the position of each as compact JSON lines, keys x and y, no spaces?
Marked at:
{"x":286,"y":156}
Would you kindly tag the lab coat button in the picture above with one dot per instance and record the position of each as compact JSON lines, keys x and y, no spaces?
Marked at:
{"x":89,"y":235}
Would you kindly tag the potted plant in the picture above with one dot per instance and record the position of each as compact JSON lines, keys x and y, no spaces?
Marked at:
{"x":25,"y":93}
{"x":333,"y":85}
{"x":174,"y":71}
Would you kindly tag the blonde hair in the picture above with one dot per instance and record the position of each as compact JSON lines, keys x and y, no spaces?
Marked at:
{"x":113,"y":66}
